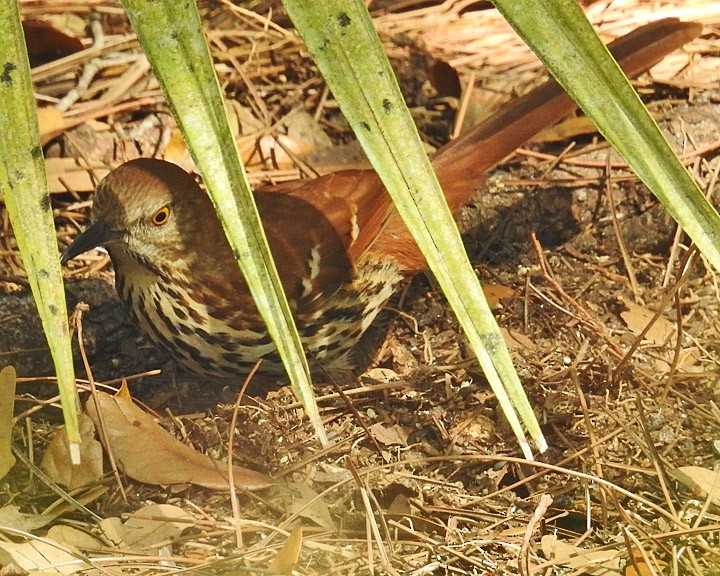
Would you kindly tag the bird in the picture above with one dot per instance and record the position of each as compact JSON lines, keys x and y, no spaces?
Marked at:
{"x":340,"y":247}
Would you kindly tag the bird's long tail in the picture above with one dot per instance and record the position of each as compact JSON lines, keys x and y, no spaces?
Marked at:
{"x":462,"y":164}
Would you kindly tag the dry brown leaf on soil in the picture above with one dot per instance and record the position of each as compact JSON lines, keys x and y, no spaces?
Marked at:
{"x":688,"y":360}
{"x":304,"y":502}
{"x":637,"y":317}
{"x":638,"y":566}
{"x":74,"y":538}
{"x":56,"y":459}
{"x":390,"y":435}
{"x":273,"y":147}
{"x":566,"y":130}
{"x":288,"y":555}
{"x":593,"y":562}
{"x":7,"y":403}
{"x":52,"y":37}
{"x":517,"y":341}
{"x":45,"y":556}
{"x":88,"y":495}
{"x":146,"y":452}
{"x":257,"y":143}
{"x":11,"y":517}
{"x":702,"y":481}
{"x":154,"y":525}
{"x":497,"y":294}
{"x":477,"y":429}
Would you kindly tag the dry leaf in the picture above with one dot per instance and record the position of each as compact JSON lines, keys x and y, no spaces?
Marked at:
{"x":638,"y":567}
{"x":390,"y":435}
{"x":7,"y":403}
{"x":273,"y":147}
{"x":242,"y":120}
{"x":44,"y":555}
{"x":477,"y":428}
{"x":146,"y":452}
{"x":56,"y":459}
{"x":702,"y":481}
{"x":593,"y":562}
{"x":72,"y":537}
{"x":177,"y":153}
{"x":445,"y":79}
{"x":304,"y":502}
{"x":381,"y":375}
{"x":152,"y":525}
{"x":637,"y":317}
{"x":497,"y":293}
{"x":11,"y":516}
{"x":303,"y":127}
{"x":517,"y":341}
{"x":288,"y":555}
{"x":89,"y":495}
{"x":687,"y":360}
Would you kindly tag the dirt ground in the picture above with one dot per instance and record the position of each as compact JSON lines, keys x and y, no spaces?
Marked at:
{"x":610,"y":313}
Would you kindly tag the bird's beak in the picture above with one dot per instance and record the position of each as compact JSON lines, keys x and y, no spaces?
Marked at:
{"x":98,"y":234}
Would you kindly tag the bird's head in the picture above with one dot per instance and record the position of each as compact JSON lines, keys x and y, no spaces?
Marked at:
{"x":147,"y":210}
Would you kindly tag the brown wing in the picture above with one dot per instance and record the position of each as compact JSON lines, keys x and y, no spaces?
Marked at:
{"x":318,"y":229}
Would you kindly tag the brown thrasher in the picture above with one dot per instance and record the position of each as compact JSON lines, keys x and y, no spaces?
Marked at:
{"x":340,"y":247}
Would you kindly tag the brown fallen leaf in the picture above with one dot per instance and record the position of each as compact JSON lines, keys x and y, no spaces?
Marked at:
{"x":517,"y":341}
{"x":273,"y":147}
{"x":87,"y":496}
{"x":637,"y":318}
{"x":566,"y":130}
{"x":44,"y":556}
{"x":73,"y":538}
{"x":390,"y":435}
{"x":302,"y":500}
{"x":599,"y":562}
{"x":47,"y":41}
{"x":638,"y":566}
{"x":288,"y":555}
{"x":150,"y":526}
{"x":56,"y":459}
{"x":12,"y":517}
{"x":497,"y":293}
{"x":702,"y":481}
{"x":146,"y":452}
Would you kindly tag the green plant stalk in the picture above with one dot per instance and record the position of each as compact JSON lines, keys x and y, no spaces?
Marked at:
{"x":24,"y":185}
{"x":171,"y":36}
{"x":561,"y":35}
{"x":343,"y":42}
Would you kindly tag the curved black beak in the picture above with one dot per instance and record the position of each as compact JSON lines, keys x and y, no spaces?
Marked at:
{"x":98,"y":234}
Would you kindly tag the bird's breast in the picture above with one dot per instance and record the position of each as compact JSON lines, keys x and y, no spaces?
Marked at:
{"x":211,"y":327}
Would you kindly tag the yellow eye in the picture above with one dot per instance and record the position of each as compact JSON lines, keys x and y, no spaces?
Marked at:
{"x":161,"y":216}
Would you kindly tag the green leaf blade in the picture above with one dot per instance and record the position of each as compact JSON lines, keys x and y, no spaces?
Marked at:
{"x":343,"y":42}
{"x":24,"y":184}
{"x":172,"y":38}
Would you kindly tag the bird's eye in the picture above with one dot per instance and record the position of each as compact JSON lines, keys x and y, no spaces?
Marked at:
{"x":161,"y":216}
